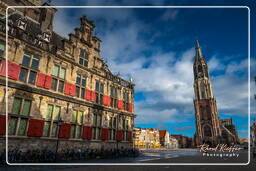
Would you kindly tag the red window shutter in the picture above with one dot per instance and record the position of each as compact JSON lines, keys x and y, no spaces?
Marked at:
{"x":48,"y":82}
{"x":72,"y":89}
{"x":92,"y":96}
{"x":67,"y":87}
{"x":130,"y":107}
{"x":40,"y":79}
{"x":65,"y":130}
{"x":3,"y":69}
{"x":129,"y":135}
{"x":105,"y":100}
{"x":35,"y":128}
{"x":2,"y":124}
{"x":88,"y":95}
{"x":119,"y":135}
{"x":104,"y":134}
{"x":122,"y":133}
{"x":120,"y":104}
{"x":108,"y":100}
{"x":13,"y":71}
{"x":87,"y":132}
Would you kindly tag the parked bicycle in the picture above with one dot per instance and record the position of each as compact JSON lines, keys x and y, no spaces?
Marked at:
{"x":15,"y":155}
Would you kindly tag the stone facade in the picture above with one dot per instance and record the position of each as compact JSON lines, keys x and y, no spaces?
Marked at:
{"x":59,"y":86}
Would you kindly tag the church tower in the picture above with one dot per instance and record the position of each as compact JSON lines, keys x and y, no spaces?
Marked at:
{"x":208,"y":129}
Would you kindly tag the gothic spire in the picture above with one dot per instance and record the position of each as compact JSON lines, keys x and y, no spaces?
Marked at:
{"x":200,"y":65}
{"x":198,"y":50}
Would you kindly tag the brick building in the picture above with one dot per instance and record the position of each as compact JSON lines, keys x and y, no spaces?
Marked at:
{"x":59,"y":86}
{"x":164,"y":138}
{"x":183,"y":141}
{"x":230,"y":134}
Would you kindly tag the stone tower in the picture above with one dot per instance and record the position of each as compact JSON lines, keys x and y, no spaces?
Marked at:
{"x":208,"y":128}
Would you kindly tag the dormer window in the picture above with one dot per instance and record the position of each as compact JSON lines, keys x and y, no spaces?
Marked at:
{"x":83,"y":58}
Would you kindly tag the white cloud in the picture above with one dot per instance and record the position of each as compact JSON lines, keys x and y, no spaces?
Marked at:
{"x":231,"y":93}
{"x":234,"y":66}
{"x":214,"y":64}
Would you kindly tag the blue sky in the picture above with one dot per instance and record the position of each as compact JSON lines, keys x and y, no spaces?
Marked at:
{"x":156,"y":48}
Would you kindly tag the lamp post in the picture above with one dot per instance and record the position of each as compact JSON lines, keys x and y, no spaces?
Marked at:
{"x":60,"y":122}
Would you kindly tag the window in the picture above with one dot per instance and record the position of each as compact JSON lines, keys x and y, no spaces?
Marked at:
{"x":126,"y":101}
{"x":99,"y":90}
{"x":19,"y":116}
{"x":112,"y":128}
{"x":77,"y":122}
{"x":51,"y":121}
{"x":83,"y":59}
{"x":207,"y":131}
{"x":2,"y":49}
{"x":80,"y":86}
{"x":113,"y":97}
{"x":96,"y":129}
{"x":125,"y":128}
{"x":29,"y":69}
{"x":59,"y":74}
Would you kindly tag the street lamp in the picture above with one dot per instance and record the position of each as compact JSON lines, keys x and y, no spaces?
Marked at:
{"x":60,"y":122}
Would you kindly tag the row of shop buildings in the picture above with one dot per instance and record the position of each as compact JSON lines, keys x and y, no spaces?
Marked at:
{"x":154,"y":138}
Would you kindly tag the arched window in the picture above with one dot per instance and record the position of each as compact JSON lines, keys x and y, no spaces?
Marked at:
{"x":200,"y":69}
{"x":202,"y":89}
{"x":83,"y":58}
{"x":207,"y":131}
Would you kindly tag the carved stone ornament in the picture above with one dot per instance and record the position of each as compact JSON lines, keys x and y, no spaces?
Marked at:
{"x":105,"y":121}
{"x":22,"y":23}
{"x":88,"y":119}
{"x":47,"y":36}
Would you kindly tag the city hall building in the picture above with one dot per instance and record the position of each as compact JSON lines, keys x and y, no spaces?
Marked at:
{"x":59,"y":88}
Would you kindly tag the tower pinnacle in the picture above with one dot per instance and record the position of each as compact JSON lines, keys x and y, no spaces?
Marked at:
{"x":198,"y":50}
{"x":197,"y":44}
